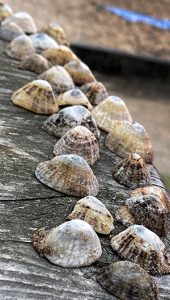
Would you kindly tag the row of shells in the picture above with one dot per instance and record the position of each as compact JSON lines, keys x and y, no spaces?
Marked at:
{"x":65,"y":81}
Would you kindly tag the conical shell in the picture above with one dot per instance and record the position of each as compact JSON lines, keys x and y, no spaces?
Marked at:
{"x":126,"y":138}
{"x":23,"y":20}
{"x":36,"y":96}
{"x":72,"y":244}
{"x":142,"y":246}
{"x":94,"y":212}
{"x":5,"y":11}
{"x":124,"y":216}
{"x":58,"y":34}
{"x":95,"y":92}
{"x":110,"y":111}
{"x":35,"y":63}
{"x":10,"y":31}
{"x":69,"y":117}
{"x":132,"y":172}
{"x":81,"y":141}
{"x":59,"y":78}
{"x":20,"y":48}
{"x":80,"y":72}
{"x":127,"y":281}
{"x":73,"y":97}
{"x":69,"y":174}
{"x":60,"y":55}
{"x":41,"y":41}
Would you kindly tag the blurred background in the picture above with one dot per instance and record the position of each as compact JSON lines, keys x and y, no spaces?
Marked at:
{"x":84,"y":21}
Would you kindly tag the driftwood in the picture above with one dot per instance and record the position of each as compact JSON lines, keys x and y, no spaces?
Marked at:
{"x":26,"y":205}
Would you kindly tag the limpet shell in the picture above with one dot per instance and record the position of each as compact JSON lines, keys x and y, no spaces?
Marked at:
{"x":5,"y":11}
{"x":132,"y":172}
{"x":81,"y":141}
{"x":20,"y":47}
{"x":127,"y":281}
{"x":58,"y":34}
{"x":73,"y":97}
{"x":69,"y":117}
{"x":41,"y":41}
{"x":36,"y":96}
{"x":95,"y":92}
{"x":80,"y":72}
{"x":142,"y":246}
{"x":72,"y":244}
{"x":23,"y":20}
{"x":60,"y":55}
{"x":126,"y":138}
{"x":35,"y":63}
{"x":124,"y":216}
{"x":69,"y":174}
{"x":59,"y":78}
{"x":94,"y":212}
{"x":110,"y":111}
{"x":10,"y":31}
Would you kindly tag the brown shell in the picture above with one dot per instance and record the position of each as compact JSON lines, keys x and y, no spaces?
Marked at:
{"x":73,"y":97}
{"x":5,"y":11}
{"x":23,"y":20}
{"x":126,"y":138}
{"x":35,"y":63}
{"x":20,"y":48}
{"x":60,"y":55}
{"x":58,"y":34}
{"x":124,"y":216}
{"x":95,"y":92}
{"x":10,"y":31}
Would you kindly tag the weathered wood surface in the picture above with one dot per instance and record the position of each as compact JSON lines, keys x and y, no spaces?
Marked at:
{"x":26,"y":204}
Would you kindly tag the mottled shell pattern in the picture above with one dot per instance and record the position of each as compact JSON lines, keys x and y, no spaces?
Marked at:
{"x":142,"y":246}
{"x":127,"y":280}
{"x":126,"y":138}
{"x":42,"y":41}
{"x":81,"y":141}
{"x":132,"y":172}
{"x":69,"y":117}
{"x":35,"y":63}
{"x":80,"y":72}
{"x":20,"y":47}
{"x":10,"y":31}
{"x":36,"y":96}
{"x":58,"y":34}
{"x":72,"y":244}
{"x":69,"y":174}
{"x":73,"y":97}
{"x":109,"y":112}
{"x":94,"y":212}
{"x":5,"y":11}
{"x":60,"y":55}
{"x":23,"y":20}
{"x":59,"y":78}
{"x":124,"y":216}
{"x":95,"y":92}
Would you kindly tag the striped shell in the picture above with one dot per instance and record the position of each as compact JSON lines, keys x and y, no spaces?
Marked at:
{"x":73,"y":97}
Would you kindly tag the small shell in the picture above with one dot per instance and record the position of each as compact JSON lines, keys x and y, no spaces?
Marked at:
{"x":95,"y":92}
{"x":124,"y":216}
{"x":35,"y":63}
{"x":142,"y":246}
{"x":110,"y":111}
{"x":127,"y":281}
{"x":94,"y":212}
{"x":41,"y":41}
{"x":20,"y":48}
{"x":72,"y":244}
{"x":5,"y":11}
{"x":132,"y":172}
{"x":36,"y":96}
{"x":60,"y":55}
{"x":58,"y":34}
{"x":69,"y":117}
{"x":69,"y":174}
{"x":81,"y":141}
{"x":80,"y":72}
{"x":10,"y":31}
{"x":59,"y":78}
{"x":126,"y":138}
{"x":73,"y":97}
{"x":23,"y":20}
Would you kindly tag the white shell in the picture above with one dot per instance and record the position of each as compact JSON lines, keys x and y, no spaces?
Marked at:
{"x":24,"y":20}
{"x":41,"y":41}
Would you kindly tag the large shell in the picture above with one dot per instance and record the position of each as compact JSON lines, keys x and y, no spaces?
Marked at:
{"x":127,"y":281}
{"x":24,"y":20}
{"x":36,"y":96}
{"x":41,"y":41}
{"x":94,"y":212}
{"x":72,"y":244}
{"x":110,"y":111}
{"x":126,"y":138}
{"x":73,"y":97}
{"x":142,"y":246}
{"x":81,"y":141}
{"x":58,"y":34}
{"x":5,"y":11}
{"x":20,"y":48}
{"x":69,"y":174}
{"x":95,"y":92}
{"x":10,"y":31}
{"x":132,"y":172}
{"x":35,"y":63}
{"x":80,"y":72}
{"x":69,"y":117}
{"x":60,"y":55}
{"x":59,"y":78}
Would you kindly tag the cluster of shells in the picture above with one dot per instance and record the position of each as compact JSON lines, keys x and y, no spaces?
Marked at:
{"x":79,"y":105}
